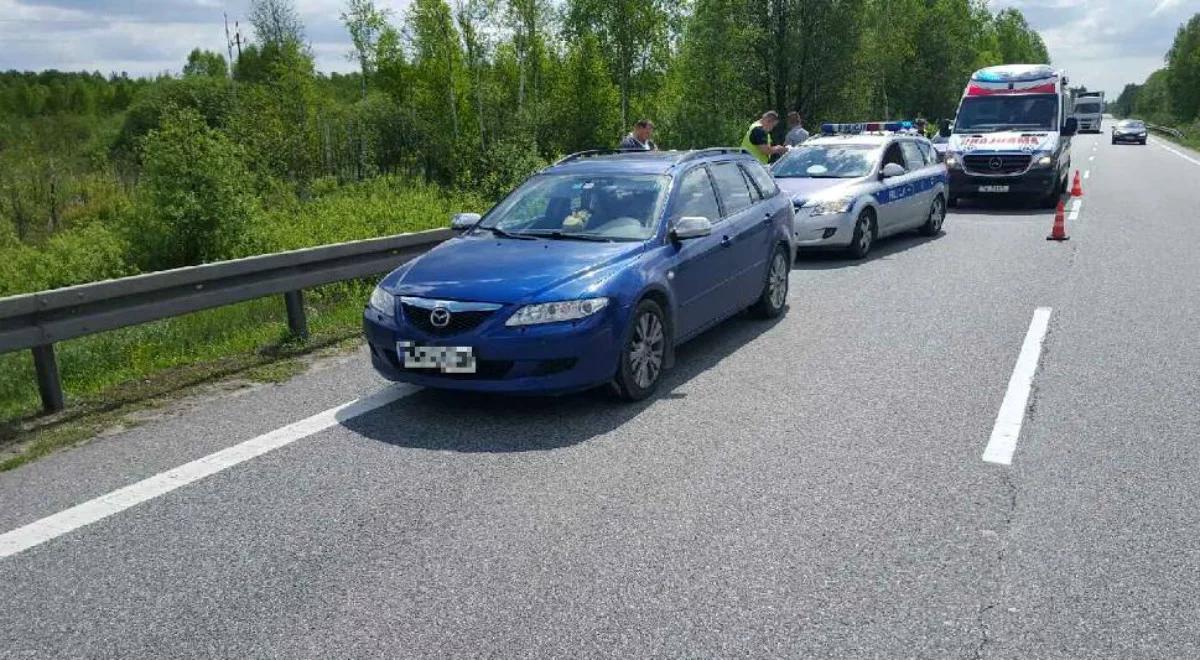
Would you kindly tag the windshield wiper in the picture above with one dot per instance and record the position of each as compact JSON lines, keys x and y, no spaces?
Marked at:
{"x":504,"y":234}
{"x":570,"y":236}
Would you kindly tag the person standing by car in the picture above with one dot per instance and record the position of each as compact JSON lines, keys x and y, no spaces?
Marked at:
{"x":639,"y":139}
{"x":758,"y":139}
{"x":796,"y":134}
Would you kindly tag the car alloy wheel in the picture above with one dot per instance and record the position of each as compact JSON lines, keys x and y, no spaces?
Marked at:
{"x":777,"y":280}
{"x":647,"y":348}
{"x":937,"y":216}
{"x":863,"y":237}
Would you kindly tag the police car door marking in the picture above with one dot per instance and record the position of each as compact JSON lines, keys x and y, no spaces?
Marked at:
{"x":904,"y":190}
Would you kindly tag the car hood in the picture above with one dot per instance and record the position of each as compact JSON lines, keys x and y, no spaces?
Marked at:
{"x":804,"y":189}
{"x":486,"y":269}
{"x":1004,"y":141}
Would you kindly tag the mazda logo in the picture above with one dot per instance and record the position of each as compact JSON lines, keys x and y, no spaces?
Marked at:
{"x":995,"y":163}
{"x":439,"y":317}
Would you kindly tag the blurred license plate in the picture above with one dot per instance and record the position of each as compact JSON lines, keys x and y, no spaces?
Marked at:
{"x":447,"y":359}
{"x":993,"y":189}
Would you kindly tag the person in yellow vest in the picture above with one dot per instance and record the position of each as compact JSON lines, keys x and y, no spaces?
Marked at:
{"x":758,"y":138}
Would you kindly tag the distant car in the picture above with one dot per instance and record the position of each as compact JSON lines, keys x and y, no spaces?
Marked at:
{"x":591,"y":272}
{"x":1129,"y":130}
{"x":858,"y":183}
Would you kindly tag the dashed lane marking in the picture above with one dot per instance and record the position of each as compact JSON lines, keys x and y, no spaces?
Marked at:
{"x":1003,"y":443}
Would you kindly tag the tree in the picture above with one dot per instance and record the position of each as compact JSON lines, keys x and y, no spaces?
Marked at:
{"x":586,"y":99}
{"x":365,"y":23}
{"x":1183,"y":67}
{"x":628,"y":32}
{"x":276,"y":22}
{"x":195,"y":194}
{"x":206,"y":63}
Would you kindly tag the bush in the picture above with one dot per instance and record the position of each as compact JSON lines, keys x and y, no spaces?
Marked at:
{"x":85,"y":254}
{"x":195,"y":200}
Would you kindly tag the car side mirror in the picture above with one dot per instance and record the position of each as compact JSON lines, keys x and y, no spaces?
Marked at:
{"x":691,"y":226}
{"x":892,"y":170}
{"x":464,"y":221}
{"x":944,"y":129}
{"x":1070,"y":127}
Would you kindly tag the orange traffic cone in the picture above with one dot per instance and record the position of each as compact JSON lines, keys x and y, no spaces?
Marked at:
{"x":1077,"y":188}
{"x":1059,"y":232}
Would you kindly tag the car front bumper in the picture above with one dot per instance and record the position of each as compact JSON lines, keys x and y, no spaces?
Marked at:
{"x":1128,"y":137}
{"x":832,"y":230}
{"x":1037,"y":182}
{"x":555,"y":358}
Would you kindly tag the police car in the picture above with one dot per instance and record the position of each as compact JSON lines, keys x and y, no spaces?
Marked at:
{"x":857,"y":183}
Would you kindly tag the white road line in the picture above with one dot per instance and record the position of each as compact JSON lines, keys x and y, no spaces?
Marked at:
{"x":1177,"y":152}
{"x":1076,"y":205}
{"x":1003,"y":443}
{"x":51,"y":527}
{"x":1087,"y":174}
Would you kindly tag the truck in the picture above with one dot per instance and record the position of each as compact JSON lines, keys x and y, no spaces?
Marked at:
{"x":1011,"y":135}
{"x":1089,"y":111}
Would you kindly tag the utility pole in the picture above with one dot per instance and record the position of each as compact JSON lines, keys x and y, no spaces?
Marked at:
{"x":229,"y":51}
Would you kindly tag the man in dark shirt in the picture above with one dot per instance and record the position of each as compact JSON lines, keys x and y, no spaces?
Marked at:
{"x":639,"y":138}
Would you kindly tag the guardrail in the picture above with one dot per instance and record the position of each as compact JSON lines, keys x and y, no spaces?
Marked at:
{"x":36,"y":321}
{"x":1175,"y":133}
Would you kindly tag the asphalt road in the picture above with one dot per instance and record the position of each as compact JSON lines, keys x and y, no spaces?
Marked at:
{"x":812,"y":487}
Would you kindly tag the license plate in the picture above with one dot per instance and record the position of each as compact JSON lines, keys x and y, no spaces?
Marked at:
{"x":993,"y":189}
{"x":447,"y":359}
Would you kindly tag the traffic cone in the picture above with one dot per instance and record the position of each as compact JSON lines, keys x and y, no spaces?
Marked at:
{"x":1059,"y":232}
{"x":1077,"y":188}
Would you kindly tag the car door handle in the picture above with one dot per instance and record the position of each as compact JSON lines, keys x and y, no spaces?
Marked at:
{"x":726,"y":241}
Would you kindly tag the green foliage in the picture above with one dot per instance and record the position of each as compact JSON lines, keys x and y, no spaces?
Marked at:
{"x":1183,"y":65}
{"x":206,"y":63}
{"x":195,"y":201}
{"x":85,"y":254}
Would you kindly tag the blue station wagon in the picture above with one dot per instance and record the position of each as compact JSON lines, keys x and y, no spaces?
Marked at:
{"x":590,"y":273}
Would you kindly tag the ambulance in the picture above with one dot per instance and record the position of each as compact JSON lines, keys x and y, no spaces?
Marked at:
{"x":1012,"y":135}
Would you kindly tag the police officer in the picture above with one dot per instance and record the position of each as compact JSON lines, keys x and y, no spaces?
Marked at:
{"x":758,"y":139}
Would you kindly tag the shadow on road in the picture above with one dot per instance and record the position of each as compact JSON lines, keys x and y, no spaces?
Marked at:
{"x":471,"y":422}
{"x":1000,"y":206}
{"x":834,"y":259}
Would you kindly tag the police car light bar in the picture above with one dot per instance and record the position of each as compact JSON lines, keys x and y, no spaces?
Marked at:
{"x":867,"y":127}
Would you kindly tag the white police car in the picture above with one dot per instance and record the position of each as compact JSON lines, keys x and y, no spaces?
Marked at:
{"x":857,"y":183}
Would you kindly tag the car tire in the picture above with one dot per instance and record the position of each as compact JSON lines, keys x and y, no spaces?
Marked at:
{"x":773,"y":299}
{"x":937,"y":216}
{"x":864,"y":236}
{"x":644,"y":355}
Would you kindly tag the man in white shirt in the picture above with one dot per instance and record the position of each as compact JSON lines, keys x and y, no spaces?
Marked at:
{"x":796,"y":133}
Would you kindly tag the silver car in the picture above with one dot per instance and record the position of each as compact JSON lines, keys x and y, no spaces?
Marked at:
{"x":851,"y":190}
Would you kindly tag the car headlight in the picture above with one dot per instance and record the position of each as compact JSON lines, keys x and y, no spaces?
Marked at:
{"x":952,"y":162}
{"x":831,"y":206}
{"x":383,"y":302}
{"x":1043,"y":162}
{"x":566,"y":310}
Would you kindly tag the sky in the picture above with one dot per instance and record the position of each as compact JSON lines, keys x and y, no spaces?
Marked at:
{"x":1102,"y":44}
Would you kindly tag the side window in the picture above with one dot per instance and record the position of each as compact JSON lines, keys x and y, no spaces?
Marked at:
{"x":735,"y":193}
{"x":695,"y":197}
{"x":914,"y":159}
{"x":927,"y":151}
{"x":755,"y":194}
{"x":893,"y":155}
{"x":761,"y":178}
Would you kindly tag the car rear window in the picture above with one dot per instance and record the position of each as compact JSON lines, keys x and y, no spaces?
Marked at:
{"x":732,"y":186}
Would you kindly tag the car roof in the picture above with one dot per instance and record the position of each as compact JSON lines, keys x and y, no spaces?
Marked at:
{"x":641,"y":162}
{"x":857,"y":139}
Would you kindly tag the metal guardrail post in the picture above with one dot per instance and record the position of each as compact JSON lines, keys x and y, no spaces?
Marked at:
{"x":297,"y":321}
{"x":49,"y":382}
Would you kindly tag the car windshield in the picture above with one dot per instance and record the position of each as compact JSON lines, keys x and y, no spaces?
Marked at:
{"x":986,"y":114}
{"x":827,"y":161}
{"x":582,"y":207}
{"x":1087,"y":108}
{"x":1131,"y":123}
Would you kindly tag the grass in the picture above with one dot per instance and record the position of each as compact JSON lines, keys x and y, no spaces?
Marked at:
{"x":108,"y":377}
